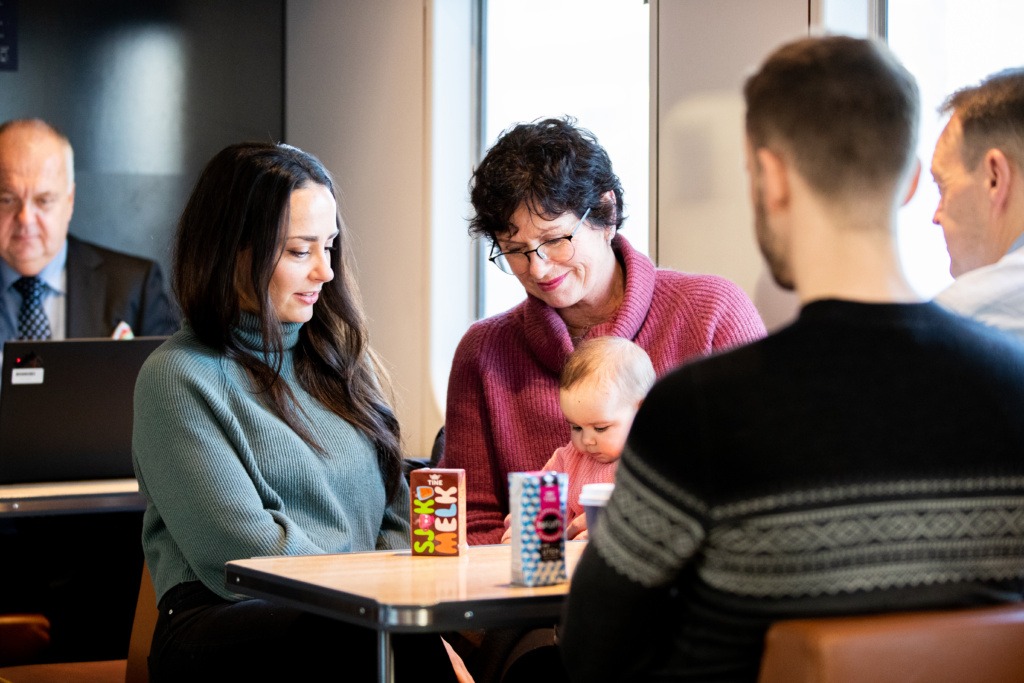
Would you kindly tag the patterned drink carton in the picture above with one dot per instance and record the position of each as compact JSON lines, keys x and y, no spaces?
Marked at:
{"x":538,"y":505}
{"x":438,"y":511}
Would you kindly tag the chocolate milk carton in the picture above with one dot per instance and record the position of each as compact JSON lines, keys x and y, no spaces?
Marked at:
{"x":538,"y":506}
{"x":438,"y":511}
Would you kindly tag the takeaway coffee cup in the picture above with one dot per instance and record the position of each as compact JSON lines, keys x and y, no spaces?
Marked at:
{"x":593,"y":498}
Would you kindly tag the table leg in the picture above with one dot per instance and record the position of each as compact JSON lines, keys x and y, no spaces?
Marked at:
{"x":386,"y":661}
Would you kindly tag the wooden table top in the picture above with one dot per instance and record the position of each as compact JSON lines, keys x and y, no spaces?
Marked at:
{"x":396,"y":591}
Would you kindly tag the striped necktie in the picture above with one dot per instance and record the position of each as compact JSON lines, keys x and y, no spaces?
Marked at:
{"x":32,"y":322}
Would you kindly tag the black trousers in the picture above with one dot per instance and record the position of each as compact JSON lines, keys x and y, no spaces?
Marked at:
{"x":200,"y":636}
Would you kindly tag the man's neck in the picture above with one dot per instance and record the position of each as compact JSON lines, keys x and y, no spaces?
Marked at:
{"x":1017,"y":243}
{"x":855,"y":258}
{"x":1007,"y":227}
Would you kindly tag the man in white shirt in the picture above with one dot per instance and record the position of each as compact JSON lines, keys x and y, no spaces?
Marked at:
{"x":978,"y":166}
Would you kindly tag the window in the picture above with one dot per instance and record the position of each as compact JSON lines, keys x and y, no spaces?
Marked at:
{"x":544,"y":58}
{"x":586,"y":58}
{"x":946,"y":44}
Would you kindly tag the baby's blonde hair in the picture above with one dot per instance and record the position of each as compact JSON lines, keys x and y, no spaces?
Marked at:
{"x":613,"y":360}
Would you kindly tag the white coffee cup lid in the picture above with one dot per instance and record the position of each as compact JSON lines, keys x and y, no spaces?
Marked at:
{"x":595,"y":494}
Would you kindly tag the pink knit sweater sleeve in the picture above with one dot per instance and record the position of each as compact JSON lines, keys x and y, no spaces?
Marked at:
{"x":502,"y":416}
{"x":691,"y":316}
{"x":469,"y":444}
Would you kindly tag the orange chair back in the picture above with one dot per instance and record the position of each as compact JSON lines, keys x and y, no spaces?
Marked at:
{"x":980,"y":645}
{"x":133,"y":670}
{"x":137,"y":670}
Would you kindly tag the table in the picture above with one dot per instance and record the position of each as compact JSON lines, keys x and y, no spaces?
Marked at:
{"x":73,"y":550}
{"x":71,"y":497}
{"x":395,"y":592}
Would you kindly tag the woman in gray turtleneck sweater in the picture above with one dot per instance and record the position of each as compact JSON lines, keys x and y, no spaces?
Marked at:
{"x":263,"y":428}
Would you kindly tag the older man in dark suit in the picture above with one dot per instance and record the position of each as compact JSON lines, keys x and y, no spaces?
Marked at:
{"x":56,"y":286}
{"x":81,"y":571}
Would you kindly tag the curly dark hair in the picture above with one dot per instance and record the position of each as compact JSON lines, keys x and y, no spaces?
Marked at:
{"x":551,"y":165}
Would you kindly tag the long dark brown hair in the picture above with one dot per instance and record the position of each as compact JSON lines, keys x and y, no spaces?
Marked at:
{"x":234,"y":226}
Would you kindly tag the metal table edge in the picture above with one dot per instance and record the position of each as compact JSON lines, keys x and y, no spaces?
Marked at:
{"x":354,"y":609}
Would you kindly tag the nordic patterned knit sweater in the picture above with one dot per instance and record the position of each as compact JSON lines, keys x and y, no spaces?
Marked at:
{"x":582,"y":469}
{"x":502,"y":410}
{"x":224,"y":478}
{"x":866,"y":458}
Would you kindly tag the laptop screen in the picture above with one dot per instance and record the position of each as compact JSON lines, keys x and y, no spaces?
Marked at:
{"x":66,"y":408}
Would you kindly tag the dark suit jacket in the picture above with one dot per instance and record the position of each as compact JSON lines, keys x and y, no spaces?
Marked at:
{"x":105,"y":287}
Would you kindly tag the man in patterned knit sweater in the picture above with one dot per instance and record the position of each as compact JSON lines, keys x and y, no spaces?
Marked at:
{"x":865,"y":458}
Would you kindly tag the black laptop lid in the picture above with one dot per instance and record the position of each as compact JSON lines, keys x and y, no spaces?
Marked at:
{"x":66,"y":408}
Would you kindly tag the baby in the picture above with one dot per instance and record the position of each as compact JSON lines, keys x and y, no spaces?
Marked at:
{"x":600,"y":389}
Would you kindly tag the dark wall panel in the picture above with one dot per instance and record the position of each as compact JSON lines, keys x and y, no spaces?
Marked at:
{"x":147,"y":92}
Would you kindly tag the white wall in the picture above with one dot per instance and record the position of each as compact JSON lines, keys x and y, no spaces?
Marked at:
{"x":701,"y":54}
{"x":356,"y":95}
{"x":454,"y":135}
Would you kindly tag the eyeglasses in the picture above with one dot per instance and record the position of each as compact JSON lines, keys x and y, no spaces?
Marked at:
{"x":558,"y":250}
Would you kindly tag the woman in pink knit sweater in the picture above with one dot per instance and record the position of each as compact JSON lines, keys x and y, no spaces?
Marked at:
{"x":546,"y":198}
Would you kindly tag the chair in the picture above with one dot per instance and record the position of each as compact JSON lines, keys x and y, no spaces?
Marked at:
{"x":976,"y":645}
{"x":438,"y":449}
{"x":134,"y":669}
{"x":23,"y":637}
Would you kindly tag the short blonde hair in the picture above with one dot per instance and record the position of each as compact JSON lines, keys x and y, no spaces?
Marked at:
{"x":614,"y":360}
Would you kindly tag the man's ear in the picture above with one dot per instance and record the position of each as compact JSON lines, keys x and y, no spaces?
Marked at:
{"x":998,"y":175}
{"x":912,"y":187}
{"x":774,"y":179}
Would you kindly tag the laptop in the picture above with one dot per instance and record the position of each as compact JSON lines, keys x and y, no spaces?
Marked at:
{"x":66,"y":408}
